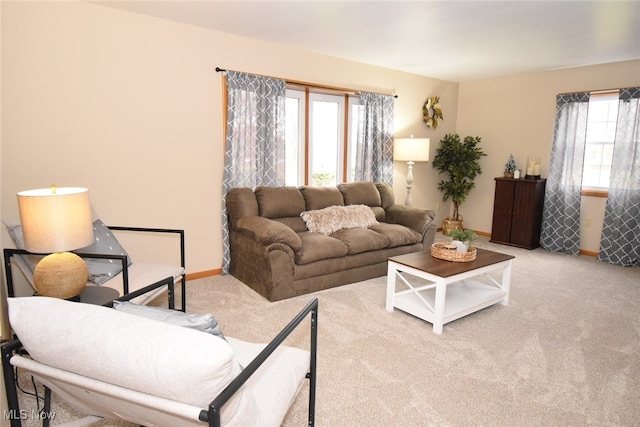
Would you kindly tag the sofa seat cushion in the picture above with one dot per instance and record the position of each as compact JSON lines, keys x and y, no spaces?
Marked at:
{"x":398,"y":235}
{"x":360,"y":240}
{"x":332,"y":267}
{"x":316,"y":246}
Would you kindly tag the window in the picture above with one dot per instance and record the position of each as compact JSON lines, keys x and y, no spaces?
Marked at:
{"x":326,"y":113}
{"x":294,"y":138}
{"x":601,"y":132}
{"x":319,"y":147}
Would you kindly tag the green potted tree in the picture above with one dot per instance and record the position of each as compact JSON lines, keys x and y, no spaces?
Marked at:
{"x":461,"y":161}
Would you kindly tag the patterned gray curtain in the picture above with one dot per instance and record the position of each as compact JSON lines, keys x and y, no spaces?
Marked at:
{"x":374,"y":146}
{"x":620,"y":240}
{"x":255,"y":146}
{"x":561,"y":212}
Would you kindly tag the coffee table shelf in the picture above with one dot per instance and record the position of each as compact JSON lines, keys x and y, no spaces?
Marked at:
{"x":452,"y":290}
{"x":462,"y":298}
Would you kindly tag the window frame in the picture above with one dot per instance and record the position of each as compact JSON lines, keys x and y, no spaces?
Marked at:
{"x":302,"y":137}
{"x":592,"y":191}
{"x":340,"y":136}
{"x":346,"y":144}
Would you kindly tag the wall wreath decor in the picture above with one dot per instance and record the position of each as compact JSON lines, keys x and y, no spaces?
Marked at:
{"x":432,"y":112}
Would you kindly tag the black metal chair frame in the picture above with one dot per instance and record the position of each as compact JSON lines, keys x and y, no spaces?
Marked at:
{"x":8,"y":253}
{"x":211,"y":415}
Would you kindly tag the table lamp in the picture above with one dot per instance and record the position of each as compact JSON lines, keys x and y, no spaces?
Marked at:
{"x":54,"y":221}
{"x":410,"y":150}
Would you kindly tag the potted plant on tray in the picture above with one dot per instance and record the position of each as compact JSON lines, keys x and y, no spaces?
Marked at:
{"x":461,"y":161}
{"x":462,"y":239}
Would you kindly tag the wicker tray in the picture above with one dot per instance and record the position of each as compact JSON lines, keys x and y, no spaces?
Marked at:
{"x":448,"y":252}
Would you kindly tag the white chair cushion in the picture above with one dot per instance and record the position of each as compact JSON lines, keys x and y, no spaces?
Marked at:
{"x":277,"y":382}
{"x":142,"y":274}
{"x":167,"y":361}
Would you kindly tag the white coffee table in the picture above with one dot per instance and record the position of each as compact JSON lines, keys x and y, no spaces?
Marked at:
{"x":449,"y":292}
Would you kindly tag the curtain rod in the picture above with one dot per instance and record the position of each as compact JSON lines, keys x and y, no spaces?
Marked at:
{"x":597,"y":91}
{"x":317,"y":86}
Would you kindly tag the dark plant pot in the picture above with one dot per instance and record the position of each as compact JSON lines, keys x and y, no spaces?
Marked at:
{"x":508,"y":174}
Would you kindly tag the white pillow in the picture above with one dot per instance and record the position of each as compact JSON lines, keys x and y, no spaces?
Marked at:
{"x":334,"y":218}
{"x":131,"y":351}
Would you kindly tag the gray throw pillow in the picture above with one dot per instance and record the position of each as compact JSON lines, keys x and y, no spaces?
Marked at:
{"x":101,"y":270}
{"x":201,"y":322}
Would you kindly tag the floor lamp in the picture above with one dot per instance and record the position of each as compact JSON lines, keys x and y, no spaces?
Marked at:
{"x":410,"y":150}
{"x":54,"y":221}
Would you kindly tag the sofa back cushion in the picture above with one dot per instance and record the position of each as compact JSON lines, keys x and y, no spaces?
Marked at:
{"x":321,"y":197}
{"x":279,"y":202}
{"x":360,"y":193}
{"x":363,"y":193}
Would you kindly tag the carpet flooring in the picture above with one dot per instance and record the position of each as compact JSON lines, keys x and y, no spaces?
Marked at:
{"x":564,"y":352}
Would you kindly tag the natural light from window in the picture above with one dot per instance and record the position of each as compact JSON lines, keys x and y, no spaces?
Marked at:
{"x":323,"y":159}
{"x":294,"y":139}
{"x":326,"y":138}
{"x":601,"y":131}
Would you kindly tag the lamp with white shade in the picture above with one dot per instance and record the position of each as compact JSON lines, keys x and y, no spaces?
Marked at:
{"x":55,"y":221}
{"x":410,"y":150}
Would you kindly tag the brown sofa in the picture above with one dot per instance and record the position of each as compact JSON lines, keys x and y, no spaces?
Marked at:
{"x":274,"y":253}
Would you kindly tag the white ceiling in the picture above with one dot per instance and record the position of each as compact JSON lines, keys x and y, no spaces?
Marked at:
{"x":449,"y":40}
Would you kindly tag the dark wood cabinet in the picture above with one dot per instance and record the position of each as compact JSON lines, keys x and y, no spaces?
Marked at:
{"x":517,"y":212}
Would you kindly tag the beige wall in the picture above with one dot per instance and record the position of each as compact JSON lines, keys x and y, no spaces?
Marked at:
{"x":516,"y":115}
{"x":131,"y":107}
{"x":3,"y":397}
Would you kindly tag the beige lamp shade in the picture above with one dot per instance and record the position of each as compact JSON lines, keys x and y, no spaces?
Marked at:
{"x":411,"y":149}
{"x":55,"y":219}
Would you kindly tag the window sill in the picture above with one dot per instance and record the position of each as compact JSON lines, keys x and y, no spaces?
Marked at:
{"x":595,"y":193}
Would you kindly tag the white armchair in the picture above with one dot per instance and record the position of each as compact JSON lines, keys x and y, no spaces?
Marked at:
{"x":154,"y":373}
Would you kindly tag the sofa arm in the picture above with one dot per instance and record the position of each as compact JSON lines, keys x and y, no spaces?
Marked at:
{"x":266,"y":232}
{"x":415,"y":218}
